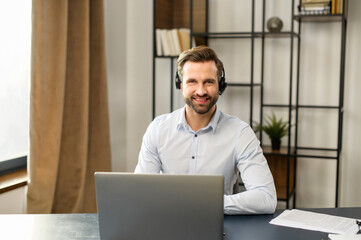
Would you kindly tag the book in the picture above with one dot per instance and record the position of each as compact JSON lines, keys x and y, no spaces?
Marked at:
{"x":175,"y":39}
{"x":314,"y":10}
{"x":158,"y":39}
{"x":172,"y":51}
{"x":338,"y":6}
{"x":333,"y":7}
{"x":316,"y":7}
{"x":165,"y":43}
{"x":315,"y":2}
{"x":184,"y":39}
{"x":171,"y":42}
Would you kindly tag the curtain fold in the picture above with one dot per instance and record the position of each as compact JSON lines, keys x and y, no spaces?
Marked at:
{"x":69,"y":123}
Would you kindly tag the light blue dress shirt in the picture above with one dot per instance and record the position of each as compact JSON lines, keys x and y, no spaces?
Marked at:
{"x":226,"y":146}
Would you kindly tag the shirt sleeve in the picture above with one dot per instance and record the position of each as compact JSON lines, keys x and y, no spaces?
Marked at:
{"x":260,"y":195}
{"x":148,"y":159}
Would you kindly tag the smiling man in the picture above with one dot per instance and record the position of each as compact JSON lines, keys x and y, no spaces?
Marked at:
{"x":201,"y":139}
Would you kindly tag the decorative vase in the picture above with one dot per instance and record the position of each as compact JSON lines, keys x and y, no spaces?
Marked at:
{"x":276,"y":144}
{"x":274,"y":24}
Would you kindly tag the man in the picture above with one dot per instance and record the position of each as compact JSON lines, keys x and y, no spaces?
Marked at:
{"x":200,"y":139}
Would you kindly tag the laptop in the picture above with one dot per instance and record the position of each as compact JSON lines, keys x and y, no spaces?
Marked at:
{"x":159,"y":206}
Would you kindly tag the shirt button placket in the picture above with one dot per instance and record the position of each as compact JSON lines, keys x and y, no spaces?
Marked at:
{"x":193,"y":154}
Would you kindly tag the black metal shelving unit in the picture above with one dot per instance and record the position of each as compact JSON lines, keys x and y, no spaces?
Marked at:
{"x":292,"y":151}
{"x":342,"y":18}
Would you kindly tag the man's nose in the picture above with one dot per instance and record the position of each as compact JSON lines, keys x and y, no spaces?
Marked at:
{"x":201,"y":90}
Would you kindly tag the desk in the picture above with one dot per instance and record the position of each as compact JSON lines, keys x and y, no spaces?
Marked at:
{"x":258,"y":227}
{"x":85,"y":226}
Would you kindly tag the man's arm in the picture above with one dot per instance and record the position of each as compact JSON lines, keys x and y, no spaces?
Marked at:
{"x":260,"y":196}
{"x":148,"y":159}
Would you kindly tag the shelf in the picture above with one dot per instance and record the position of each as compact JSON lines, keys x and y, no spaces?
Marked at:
{"x":316,"y":156}
{"x":277,"y":35}
{"x":279,"y":106}
{"x":319,"y":18}
{"x":302,"y":152}
{"x":223,"y":35}
{"x":318,"y":149}
{"x":267,"y":150}
{"x":243,"y":84}
{"x":318,"y":106}
{"x":301,"y":106}
{"x":167,"y":57}
{"x":319,"y":153}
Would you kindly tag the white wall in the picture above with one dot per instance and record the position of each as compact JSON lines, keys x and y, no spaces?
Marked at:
{"x":139,"y":75}
{"x":116,"y":57}
{"x":129,"y":54}
{"x":316,"y":179}
{"x":14,"y":201}
{"x":351,"y":165}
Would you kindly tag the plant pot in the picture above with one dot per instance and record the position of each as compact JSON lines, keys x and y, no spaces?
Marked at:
{"x":276,"y":144}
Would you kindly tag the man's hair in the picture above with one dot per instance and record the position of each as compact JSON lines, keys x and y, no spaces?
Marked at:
{"x":199,"y":54}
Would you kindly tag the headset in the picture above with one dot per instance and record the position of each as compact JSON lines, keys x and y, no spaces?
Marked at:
{"x":221,"y":86}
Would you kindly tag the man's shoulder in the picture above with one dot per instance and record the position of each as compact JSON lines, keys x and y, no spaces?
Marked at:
{"x":168,"y":118}
{"x":229,"y":120}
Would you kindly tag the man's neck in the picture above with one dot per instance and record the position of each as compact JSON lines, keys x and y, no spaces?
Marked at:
{"x":198,"y":121}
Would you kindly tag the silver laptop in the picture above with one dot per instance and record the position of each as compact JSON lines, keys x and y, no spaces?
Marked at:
{"x":159,"y":206}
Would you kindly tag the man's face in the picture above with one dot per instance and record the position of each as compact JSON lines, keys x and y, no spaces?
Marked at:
{"x":200,"y":86}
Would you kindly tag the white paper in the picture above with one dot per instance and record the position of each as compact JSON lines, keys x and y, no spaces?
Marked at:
{"x":344,"y":237}
{"x":316,"y":221}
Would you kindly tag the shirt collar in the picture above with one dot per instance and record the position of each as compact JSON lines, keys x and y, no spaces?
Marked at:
{"x":182,"y":122}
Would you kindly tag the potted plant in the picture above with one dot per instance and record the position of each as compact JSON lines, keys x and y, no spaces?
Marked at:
{"x":275,"y":129}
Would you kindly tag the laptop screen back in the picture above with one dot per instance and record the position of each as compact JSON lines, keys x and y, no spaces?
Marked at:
{"x":159,"y":206}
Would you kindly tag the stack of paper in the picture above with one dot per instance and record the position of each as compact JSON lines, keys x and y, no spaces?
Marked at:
{"x":316,"y":222}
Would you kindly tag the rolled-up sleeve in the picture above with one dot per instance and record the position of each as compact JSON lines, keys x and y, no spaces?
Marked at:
{"x":260,"y":195}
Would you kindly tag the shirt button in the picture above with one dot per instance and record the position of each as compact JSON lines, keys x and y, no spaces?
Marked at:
{"x":192,"y":157}
{"x":195,"y":135}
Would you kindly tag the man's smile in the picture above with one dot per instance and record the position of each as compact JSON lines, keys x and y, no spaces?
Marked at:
{"x":201,"y":100}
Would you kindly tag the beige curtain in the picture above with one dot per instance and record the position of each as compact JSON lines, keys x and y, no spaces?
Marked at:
{"x":69,"y":125}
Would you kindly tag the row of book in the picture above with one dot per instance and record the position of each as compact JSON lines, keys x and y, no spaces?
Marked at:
{"x":171,"y":42}
{"x":318,"y":7}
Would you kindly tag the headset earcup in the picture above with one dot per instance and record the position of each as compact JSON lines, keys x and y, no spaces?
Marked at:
{"x":222,"y":85}
{"x":177,"y":81}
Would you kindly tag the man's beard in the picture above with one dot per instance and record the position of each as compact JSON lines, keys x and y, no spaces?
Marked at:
{"x":203,"y":109}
